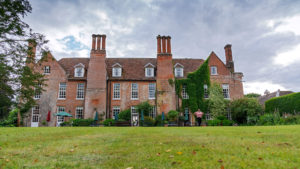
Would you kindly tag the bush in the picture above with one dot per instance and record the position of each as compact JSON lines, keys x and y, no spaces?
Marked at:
{"x":243,"y":108}
{"x":125,"y":115}
{"x":294,"y":119}
{"x":284,"y":104}
{"x":11,"y":120}
{"x":252,"y":120}
{"x":148,"y":121}
{"x":215,"y":122}
{"x":269,"y":119}
{"x":173,"y":115}
{"x":158,"y":121}
{"x":220,"y":121}
{"x":82,"y":122}
{"x":145,"y":106}
{"x":109,"y":122}
{"x":65,"y":124}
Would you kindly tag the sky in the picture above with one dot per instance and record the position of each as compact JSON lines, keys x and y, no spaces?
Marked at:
{"x":265,"y":34}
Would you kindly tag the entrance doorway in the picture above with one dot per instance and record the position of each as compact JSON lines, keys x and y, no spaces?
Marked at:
{"x":134,"y":117}
{"x":35,"y":118}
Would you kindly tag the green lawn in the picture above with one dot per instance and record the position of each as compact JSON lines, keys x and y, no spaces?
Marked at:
{"x":157,"y":147}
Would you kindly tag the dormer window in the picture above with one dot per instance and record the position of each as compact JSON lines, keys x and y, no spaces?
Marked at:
{"x":178,"y":70}
{"x":213,"y":70}
{"x":79,"y":70}
{"x":47,"y":70}
{"x":117,"y":70}
{"x":149,"y":70}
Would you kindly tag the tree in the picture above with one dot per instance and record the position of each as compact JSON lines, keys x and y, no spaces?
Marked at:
{"x":245,"y":108}
{"x":216,"y":103}
{"x":252,"y":95}
{"x":17,"y":55}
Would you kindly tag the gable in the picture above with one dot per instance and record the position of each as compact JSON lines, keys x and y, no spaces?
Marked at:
{"x":214,"y":60}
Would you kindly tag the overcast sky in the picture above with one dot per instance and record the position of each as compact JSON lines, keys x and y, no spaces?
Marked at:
{"x":265,"y":35}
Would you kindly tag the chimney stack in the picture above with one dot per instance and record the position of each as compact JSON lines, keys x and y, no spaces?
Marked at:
{"x":163,"y":44}
{"x":98,"y":39}
{"x":31,"y":53}
{"x":228,"y":54}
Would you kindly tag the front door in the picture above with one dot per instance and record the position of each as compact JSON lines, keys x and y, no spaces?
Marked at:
{"x":35,"y":116}
{"x":60,"y":119}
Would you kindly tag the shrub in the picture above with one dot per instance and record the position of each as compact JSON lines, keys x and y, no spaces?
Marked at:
{"x":173,"y":115}
{"x":220,"y":121}
{"x":148,"y":121}
{"x":243,"y":108}
{"x":158,"y":121}
{"x":109,"y":122}
{"x":269,"y":119}
{"x":125,"y":115}
{"x":215,"y":122}
{"x":11,"y":120}
{"x":145,"y":106}
{"x":284,"y":104}
{"x":82,"y":122}
{"x":216,"y":103}
{"x":65,"y":124}
{"x":226,"y":122}
{"x":294,"y":119}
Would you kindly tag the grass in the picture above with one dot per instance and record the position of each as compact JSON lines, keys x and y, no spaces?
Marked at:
{"x":157,"y":147}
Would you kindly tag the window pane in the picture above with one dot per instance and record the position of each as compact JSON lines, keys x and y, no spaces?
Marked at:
{"x":116,"y":111}
{"x":184,"y":92}
{"x":80,"y":91}
{"x":62,"y":91}
{"x":225,"y":90}
{"x":79,"y":112}
{"x":134,"y":91}
{"x":116,"y":91}
{"x":152,"y":90}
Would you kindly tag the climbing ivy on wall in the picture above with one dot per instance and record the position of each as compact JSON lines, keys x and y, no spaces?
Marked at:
{"x":194,"y":83}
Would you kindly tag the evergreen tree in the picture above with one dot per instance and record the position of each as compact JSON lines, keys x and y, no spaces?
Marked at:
{"x":18,"y":80}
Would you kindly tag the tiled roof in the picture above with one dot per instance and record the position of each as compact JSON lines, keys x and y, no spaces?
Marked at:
{"x":132,"y":68}
{"x":69,"y":63}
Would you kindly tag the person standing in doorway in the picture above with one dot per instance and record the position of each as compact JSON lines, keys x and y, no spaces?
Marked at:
{"x":199,"y":115}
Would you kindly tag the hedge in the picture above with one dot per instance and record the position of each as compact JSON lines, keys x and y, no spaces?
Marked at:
{"x":284,"y":104}
{"x":82,"y":122}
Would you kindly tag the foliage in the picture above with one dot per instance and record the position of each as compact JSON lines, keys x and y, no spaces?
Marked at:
{"x":11,"y":120}
{"x":109,"y":122}
{"x":284,"y":104}
{"x":145,"y":106}
{"x":292,"y":119}
{"x":173,"y":115}
{"x":269,"y":119}
{"x":65,"y":124}
{"x":158,"y":121}
{"x":125,"y":115}
{"x":245,"y":109}
{"x":148,"y":121}
{"x":82,"y":122}
{"x":196,"y":100}
{"x":216,"y":103}
{"x":219,"y":121}
{"x":16,"y":76}
{"x":252,"y":95}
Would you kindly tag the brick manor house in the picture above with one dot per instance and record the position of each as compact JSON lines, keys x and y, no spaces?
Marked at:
{"x":84,"y":86}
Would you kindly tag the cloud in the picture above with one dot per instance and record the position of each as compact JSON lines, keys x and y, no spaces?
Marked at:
{"x":264,"y":35}
{"x":261,"y":87}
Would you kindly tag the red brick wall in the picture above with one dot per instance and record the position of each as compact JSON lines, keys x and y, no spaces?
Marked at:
{"x":125,"y":101}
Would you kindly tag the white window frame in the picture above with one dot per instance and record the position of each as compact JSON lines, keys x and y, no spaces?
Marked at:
{"x":149,"y":72}
{"x":151,"y":90}
{"x":116,"y":109}
{"x":134,"y":91}
{"x":225,"y":90}
{"x":79,"y":113}
{"x":214,"y":70}
{"x":178,"y":71}
{"x":116,"y":91}
{"x":205,"y":91}
{"x":184,"y":92}
{"x":37,"y":95}
{"x":80,"y":91}
{"x":134,"y":116}
{"x":35,"y":114}
{"x":116,"y":72}
{"x":76,"y":72}
{"x":152,"y":112}
{"x":62,"y":91}
{"x":47,"y":70}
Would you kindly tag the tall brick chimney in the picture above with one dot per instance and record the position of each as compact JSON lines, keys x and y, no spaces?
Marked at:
{"x":165,"y":91}
{"x":95,"y":99}
{"x":228,"y":54}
